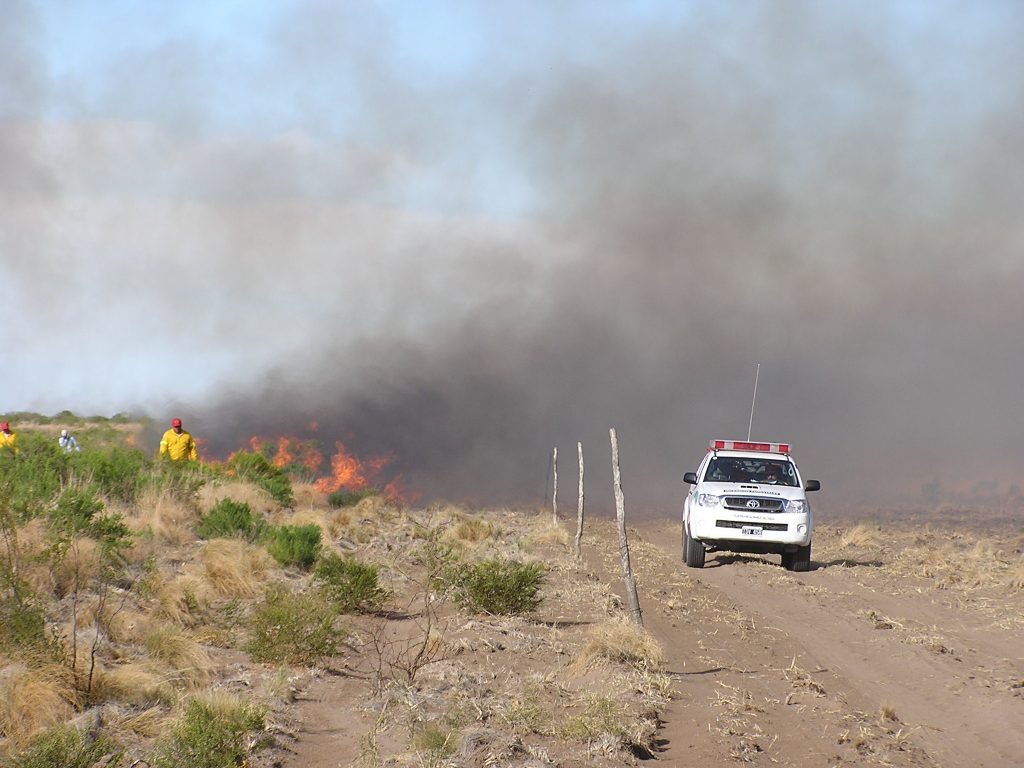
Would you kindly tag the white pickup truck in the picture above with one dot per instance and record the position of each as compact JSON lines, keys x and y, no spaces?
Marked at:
{"x":748,"y":497}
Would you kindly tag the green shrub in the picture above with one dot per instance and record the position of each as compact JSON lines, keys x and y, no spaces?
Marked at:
{"x":350,"y":586}
{"x":65,"y":747}
{"x":116,"y":472}
{"x":290,"y":628}
{"x":23,"y":630}
{"x":257,"y":469}
{"x":497,"y":586}
{"x":30,"y":480}
{"x":438,"y":742}
{"x":294,"y":544}
{"x":600,"y":716}
{"x":210,"y":736}
{"x":231,"y":518}
{"x":347,"y":498}
{"x":77,"y":513}
{"x":179,"y":479}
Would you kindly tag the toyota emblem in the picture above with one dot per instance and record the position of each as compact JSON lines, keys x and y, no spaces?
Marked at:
{"x":752,"y":504}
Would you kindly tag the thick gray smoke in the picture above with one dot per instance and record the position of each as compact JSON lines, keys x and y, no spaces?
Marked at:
{"x":829,"y":192}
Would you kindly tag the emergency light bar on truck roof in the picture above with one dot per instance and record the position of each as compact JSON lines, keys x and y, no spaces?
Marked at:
{"x":744,"y":445}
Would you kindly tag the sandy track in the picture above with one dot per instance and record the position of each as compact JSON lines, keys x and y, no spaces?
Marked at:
{"x":855,"y":663}
{"x":937,"y":670}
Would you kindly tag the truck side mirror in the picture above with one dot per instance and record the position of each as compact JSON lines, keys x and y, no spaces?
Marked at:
{"x":690,"y":478}
{"x":812,"y":485}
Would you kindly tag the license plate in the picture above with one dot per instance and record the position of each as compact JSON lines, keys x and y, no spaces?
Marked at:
{"x":751,"y":530}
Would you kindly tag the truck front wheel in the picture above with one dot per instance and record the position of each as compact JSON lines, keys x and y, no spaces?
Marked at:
{"x":797,"y":561}
{"x":693,"y":551}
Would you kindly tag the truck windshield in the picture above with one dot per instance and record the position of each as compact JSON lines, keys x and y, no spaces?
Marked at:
{"x":723,"y":469}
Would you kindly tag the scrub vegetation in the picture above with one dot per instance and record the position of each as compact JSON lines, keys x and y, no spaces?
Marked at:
{"x":166,"y":614}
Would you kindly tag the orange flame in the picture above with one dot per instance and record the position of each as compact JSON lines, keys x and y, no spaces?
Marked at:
{"x":396,"y":490}
{"x":348,"y":472}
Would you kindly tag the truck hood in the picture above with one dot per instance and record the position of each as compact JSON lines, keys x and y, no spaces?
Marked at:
{"x":754,"y":489}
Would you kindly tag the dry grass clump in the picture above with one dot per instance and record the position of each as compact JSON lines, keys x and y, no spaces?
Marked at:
{"x":178,"y":599}
{"x":126,"y":625}
{"x":621,"y":640}
{"x":34,"y":699}
{"x":862,"y":536}
{"x":376,"y":507}
{"x":169,"y":644}
{"x":446,"y":511}
{"x":528,"y":714}
{"x":119,"y":623}
{"x":34,"y":566}
{"x":338,"y":520}
{"x":79,"y":567}
{"x":960,"y":564}
{"x":610,"y":725}
{"x":133,"y":683}
{"x":306,"y":495}
{"x":149,"y":723}
{"x":234,"y":568}
{"x":162,"y":520}
{"x":544,"y":530}
{"x":472,"y":530}
{"x":1015,"y":577}
{"x":259,"y":501}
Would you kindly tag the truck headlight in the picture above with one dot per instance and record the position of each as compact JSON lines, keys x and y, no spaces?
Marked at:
{"x":708,"y":500}
{"x":795,"y":505}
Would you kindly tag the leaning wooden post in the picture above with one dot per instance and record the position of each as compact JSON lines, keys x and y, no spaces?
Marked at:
{"x":620,"y":514}
{"x":579,"y":507}
{"x":554,"y":490}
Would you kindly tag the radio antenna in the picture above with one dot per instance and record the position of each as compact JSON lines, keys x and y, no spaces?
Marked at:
{"x":750,"y":424}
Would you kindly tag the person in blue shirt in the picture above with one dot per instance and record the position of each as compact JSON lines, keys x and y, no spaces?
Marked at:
{"x":67,"y":442}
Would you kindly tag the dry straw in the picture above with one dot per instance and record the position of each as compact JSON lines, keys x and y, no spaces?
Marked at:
{"x":620,"y":640}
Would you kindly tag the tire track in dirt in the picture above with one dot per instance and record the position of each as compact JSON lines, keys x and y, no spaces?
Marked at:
{"x":747,"y":692}
{"x":948,"y":711}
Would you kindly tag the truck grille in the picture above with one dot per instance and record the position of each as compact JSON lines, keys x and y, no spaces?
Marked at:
{"x":759,"y":504}
{"x":763,"y":526}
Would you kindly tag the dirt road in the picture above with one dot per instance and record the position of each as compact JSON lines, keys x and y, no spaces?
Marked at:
{"x":848,"y":663}
{"x":899,"y":648}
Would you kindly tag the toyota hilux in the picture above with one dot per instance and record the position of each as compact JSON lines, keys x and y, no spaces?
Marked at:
{"x":748,"y":497}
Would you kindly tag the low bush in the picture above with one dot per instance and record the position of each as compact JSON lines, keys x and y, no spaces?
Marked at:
{"x":257,"y":469}
{"x":231,"y":518}
{"x":350,"y":586}
{"x":117,"y":472}
{"x":78,"y":512}
{"x":497,"y":586}
{"x":30,"y":480}
{"x":438,"y":742}
{"x":66,"y":747}
{"x":290,"y":628}
{"x":294,"y":544}
{"x":211,"y":733}
{"x":349,"y":498}
{"x":23,"y":630}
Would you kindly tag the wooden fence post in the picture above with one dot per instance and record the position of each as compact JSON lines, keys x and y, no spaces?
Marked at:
{"x":554,"y":490}
{"x":579,"y":507}
{"x":620,"y":513}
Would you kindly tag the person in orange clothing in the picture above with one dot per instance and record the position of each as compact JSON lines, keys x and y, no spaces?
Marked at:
{"x":7,"y":439}
{"x":177,"y":444}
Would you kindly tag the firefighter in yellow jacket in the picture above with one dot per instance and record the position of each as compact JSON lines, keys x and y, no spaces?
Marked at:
{"x":7,"y":439}
{"x":177,"y":444}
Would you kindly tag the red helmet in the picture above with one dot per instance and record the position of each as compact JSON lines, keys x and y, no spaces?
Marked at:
{"x":5,"y":426}
{"x":175,"y":422}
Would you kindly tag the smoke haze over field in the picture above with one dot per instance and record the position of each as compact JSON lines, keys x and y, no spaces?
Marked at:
{"x":464,"y":236}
